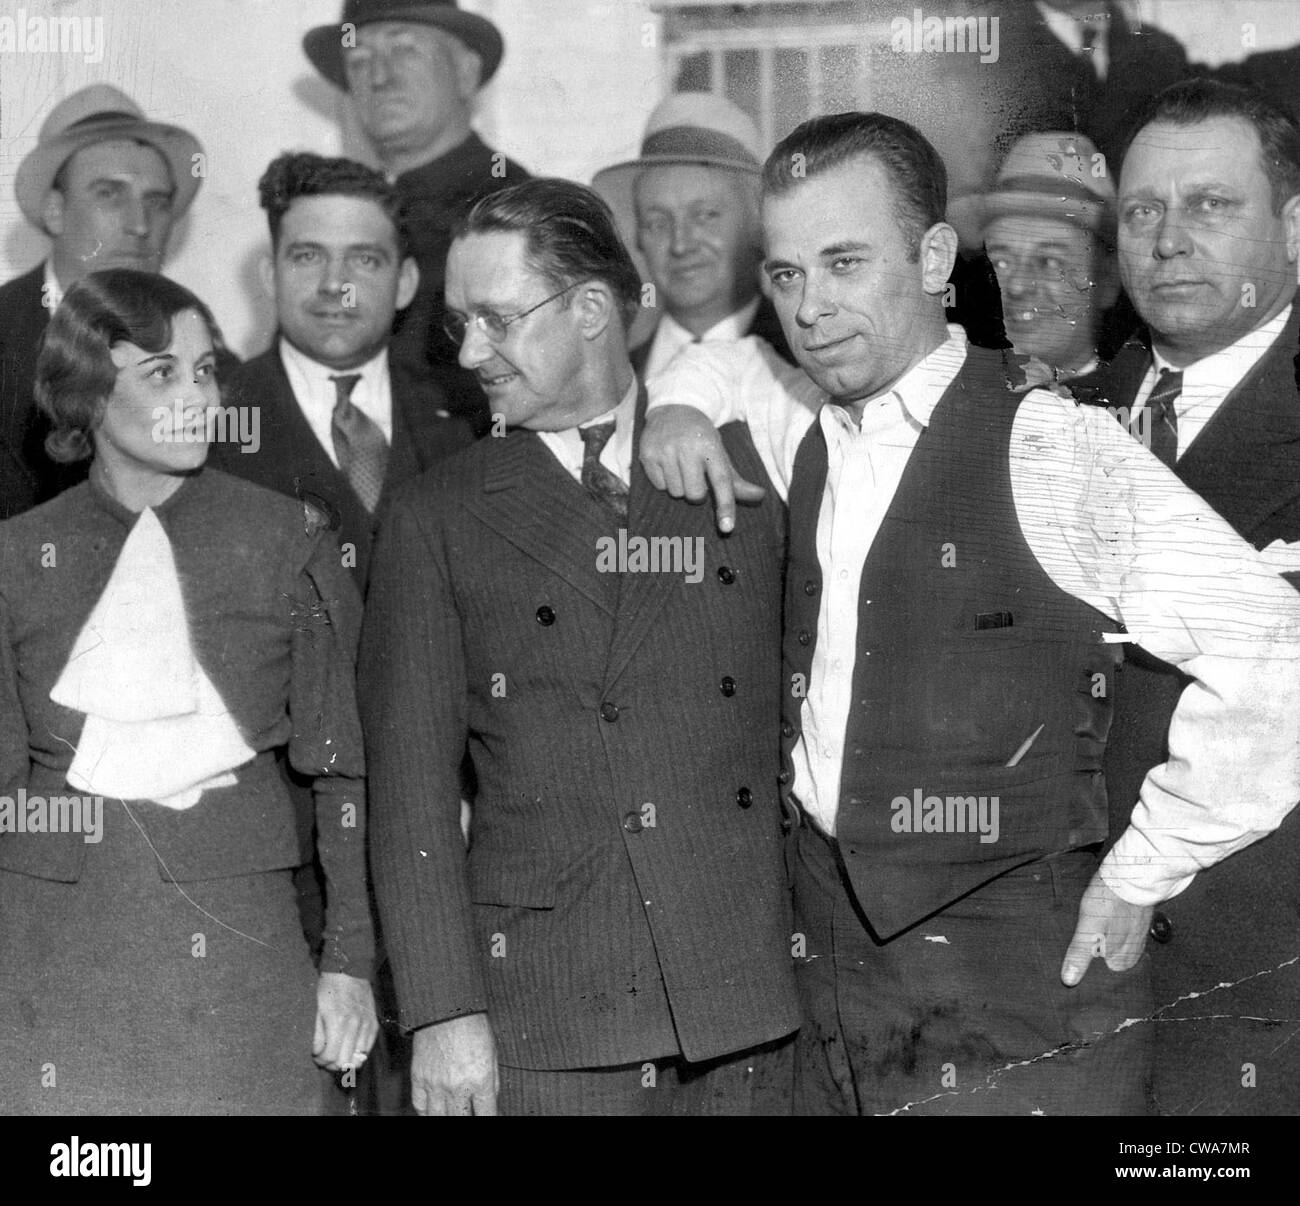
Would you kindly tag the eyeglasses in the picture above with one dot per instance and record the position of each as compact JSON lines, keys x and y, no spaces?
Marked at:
{"x":495,"y":326}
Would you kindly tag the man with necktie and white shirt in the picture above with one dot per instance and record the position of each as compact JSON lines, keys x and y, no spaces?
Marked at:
{"x":340,"y":427}
{"x":616,"y":939}
{"x":962,"y":560}
{"x":1209,"y":241}
{"x":340,"y":424}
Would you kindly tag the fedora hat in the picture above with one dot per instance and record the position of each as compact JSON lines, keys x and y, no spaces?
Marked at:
{"x":687,"y":127}
{"x":100,"y":113}
{"x":324,"y":44}
{"x":1045,"y":175}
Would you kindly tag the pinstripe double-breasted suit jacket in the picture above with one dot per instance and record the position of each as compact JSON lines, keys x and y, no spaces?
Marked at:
{"x":623,"y":896}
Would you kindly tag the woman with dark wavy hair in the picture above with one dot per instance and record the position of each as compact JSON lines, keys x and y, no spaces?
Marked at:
{"x":165,"y":629}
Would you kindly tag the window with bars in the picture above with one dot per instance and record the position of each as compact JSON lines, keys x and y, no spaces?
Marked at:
{"x":781,"y":63}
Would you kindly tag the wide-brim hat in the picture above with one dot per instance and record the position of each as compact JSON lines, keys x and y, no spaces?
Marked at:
{"x":101,"y":113}
{"x":1050,"y":175}
{"x":324,"y":44}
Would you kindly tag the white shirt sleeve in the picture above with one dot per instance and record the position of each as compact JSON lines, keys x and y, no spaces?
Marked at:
{"x":744,"y":380}
{"x":1114,"y":527}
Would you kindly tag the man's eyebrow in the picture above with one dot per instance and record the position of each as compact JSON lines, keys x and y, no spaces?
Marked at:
{"x":377,"y":248}
{"x":835,"y":249}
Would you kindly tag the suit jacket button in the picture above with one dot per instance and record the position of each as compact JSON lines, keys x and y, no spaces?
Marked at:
{"x":545,"y":616}
{"x":726,"y":575}
{"x":727,"y":686}
{"x":804,"y":636}
{"x":632,"y":822}
{"x":783,"y":778}
{"x":609,"y":711}
{"x":744,"y":797}
{"x":787,"y":729}
{"x":1162,"y":929}
{"x":811,"y":587}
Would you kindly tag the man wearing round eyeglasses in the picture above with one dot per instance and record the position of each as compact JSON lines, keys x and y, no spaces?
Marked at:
{"x":616,"y":940}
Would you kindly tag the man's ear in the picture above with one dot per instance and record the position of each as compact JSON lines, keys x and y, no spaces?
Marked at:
{"x":408,"y":281}
{"x":52,"y":213}
{"x":469,"y":72}
{"x":597,"y":307}
{"x":1291,"y":223}
{"x":938,"y":255}
{"x":266,"y":273}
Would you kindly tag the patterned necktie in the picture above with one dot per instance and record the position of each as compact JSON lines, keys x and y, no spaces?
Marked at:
{"x":604,"y":486}
{"x":358,"y":443}
{"x":1163,"y":417}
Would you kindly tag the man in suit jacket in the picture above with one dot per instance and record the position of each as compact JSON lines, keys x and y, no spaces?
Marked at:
{"x":1209,"y":238}
{"x":412,"y":70}
{"x":106,"y":184}
{"x":617,"y":939}
{"x":339,"y":425}
{"x":691,"y":199}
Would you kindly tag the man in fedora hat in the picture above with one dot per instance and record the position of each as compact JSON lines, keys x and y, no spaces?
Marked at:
{"x":412,"y":69}
{"x":1048,"y":228}
{"x":690,"y":204}
{"x":106,"y":184}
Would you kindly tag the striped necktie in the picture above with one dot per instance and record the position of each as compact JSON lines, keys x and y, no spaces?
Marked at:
{"x":358,"y":443}
{"x":1163,"y":417}
{"x":605,"y":487}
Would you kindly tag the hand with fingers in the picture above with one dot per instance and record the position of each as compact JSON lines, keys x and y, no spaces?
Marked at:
{"x":346,"y":1024}
{"x":683,"y":453}
{"x":454,"y":1068}
{"x":1109,"y":928}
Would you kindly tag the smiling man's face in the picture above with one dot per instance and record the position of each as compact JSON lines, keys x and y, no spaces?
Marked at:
{"x":1202,"y":253}
{"x":851,"y":297}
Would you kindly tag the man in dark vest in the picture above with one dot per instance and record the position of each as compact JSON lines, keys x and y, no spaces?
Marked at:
{"x":962,"y":561}
{"x":1209,"y":242}
{"x":412,"y":69}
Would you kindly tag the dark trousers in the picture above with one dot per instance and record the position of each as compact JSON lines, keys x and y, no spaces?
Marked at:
{"x":964,"y":1013}
{"x":752,"y":1083}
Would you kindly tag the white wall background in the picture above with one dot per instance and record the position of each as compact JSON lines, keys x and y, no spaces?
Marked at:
{"x":578,"y":80}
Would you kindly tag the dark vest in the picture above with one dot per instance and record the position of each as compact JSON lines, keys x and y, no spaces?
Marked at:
{"x":965,"y":647}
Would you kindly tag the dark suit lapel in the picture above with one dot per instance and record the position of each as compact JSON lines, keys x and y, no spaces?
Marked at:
{"x":642,"y":596}
{"x":529,"y":500}
{"x":1244,"y":462}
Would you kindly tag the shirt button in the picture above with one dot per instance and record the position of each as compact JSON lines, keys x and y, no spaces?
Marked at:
{"x":804,"y":636}
{"x":728,"y":686}
{"x":632,"y":822}
{"x":811,"y":587}
{"x":744,"y":797}
{"x":545,"y":616}
{"x":726,"y":575}
{"x":609,"y":711}
{"x":844,"y":574}
{"x":1162,"y":929}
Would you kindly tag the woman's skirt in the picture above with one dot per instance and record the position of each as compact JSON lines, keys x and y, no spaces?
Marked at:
{"x":123,"y":993}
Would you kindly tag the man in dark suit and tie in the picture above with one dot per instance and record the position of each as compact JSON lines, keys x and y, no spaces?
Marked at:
{"x":340,"y":425}
{"x":1209,"y":236}
{"x":106,"y":184}
{"x":691,"y":199}
{"x":617,"y":939}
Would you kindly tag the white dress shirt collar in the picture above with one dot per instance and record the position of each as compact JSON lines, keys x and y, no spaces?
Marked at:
{"x":316,"y":394}
{"x":670,"y":336}
{"x":616,"y":456}
{"x":1208,"y":381}
{"x":916,"y":392}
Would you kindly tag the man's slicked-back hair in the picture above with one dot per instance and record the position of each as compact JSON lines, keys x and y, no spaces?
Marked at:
{"x":75,"y":373}
{"x":1189,"y":102}
{"x":570,"y":235}
{"x":300,"y":174}
{"x":914,"y":167}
